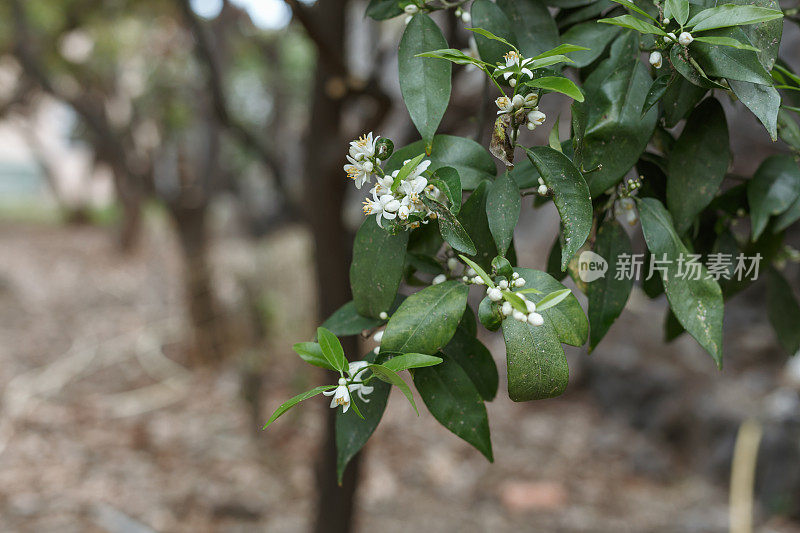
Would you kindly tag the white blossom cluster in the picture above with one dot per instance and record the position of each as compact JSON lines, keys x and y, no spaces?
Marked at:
{"x":342,"y":394}
{"x":404,"y":204}
{"x":528,"y":103}
{"x":515,"y":65}
{"x":495,"y":294}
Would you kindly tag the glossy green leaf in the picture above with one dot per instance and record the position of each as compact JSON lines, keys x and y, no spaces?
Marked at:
{"x":697,"y":303}
{"x":731,"y":15}
{"x":426,"y":320}
{"x":635,"y":8}
{"x":764,"y":102}
{"x":454,"y":56}
{"x":680,"y":99}
{"x":411,"y":360}
{"x":657,"y":90}
{"x":568,"y":319}
{"x":783,"y":311}
{"x":388,"y":375}
{"x":558,"y":84}
{"x":607,"y":295}
{"x":502,"y":211}
{"x":677,"y":9}
{"x":774,"y":187}
{"x":552,"y":299}
{"x":311,"y":353}
{"x":472,"y":161}
{"x":332,"y":349}
{"x":570,"y":194}
{"x":384,"y":9}
{"x":353,"y":432}
{"x":489,"y":17}
{"x":537,"y":366}
{"x":679,"y":56}
{"x":346,"y":321}
{"x":634,"y":23}
{"x":726,"y":41}
{"x":478,"y":270}
{"x":727,"y":62}
{"x":294,"y":401}
{"x":697,"y":163}
{"x":451,"y":229}
{"x":424,"y":82}
{"x":473,"y":218}
{"x":377,"y":267}
{"x":453,"y":400}
{"x":533,"y":26}
{"x":489,"y":314}
{"x":406,"y":170}
{"x":477,"y":362}
{"x":448,"y":181}
{"x":595,"y":37}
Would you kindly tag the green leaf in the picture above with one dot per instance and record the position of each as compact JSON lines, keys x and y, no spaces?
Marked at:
{"x":516,"y":301}
{"x":489,"y":314}
{"x":451,"y":229}
{"x":502,"y":211}
{"x":346,"y":321}
{"x":731,"y":63}
{"x":774,"y":187}
{"x":377,"y":267}
{"x":388,"y":375}
{"x":595,"y":37}
{"x":616,"y":133}
{"x":607,"y":295}
{"x":424,"y":83}
{"x":447,"y":180}
{"x":472,"y":161}
{"x":493,"y":34}
{"x":353,"y":432}
{"x":677,"y":9}
{"x":679,"y":99}
{"x":537,"y":366}
{"x":478,"y":270}
{"x":549,"y":61}
{"x":453,"y":400}
{"x":454,"y":56}
{"x":762,"y":100}
{"x":294,"y":401}
{"x":783,"y":311}
{"x":697,"y":163}
{"x":634,"y":7}
{"x":561,"y":49}
{"x":426,"y":320}
{"x":384,"y":9}
{"x":726,"y":41}
{"x":558,"y":84}
{"x":473,"y":218}
{"x":570,"y":194}
{"x":657,"y":90}
{"x":634,"y":23}
{"x":697,"y":304}
{"x":552,"y":299}
{"x":476,"y":360}
{"x":679,"y":57}
{"x":405,"y":170}
{"x":534,"y":27}
{"x":311,"y":353}
{"x":411,"y":360}
{"x":731,"y":15}
{"x":332,"y":349}
{"x":568,"y":319}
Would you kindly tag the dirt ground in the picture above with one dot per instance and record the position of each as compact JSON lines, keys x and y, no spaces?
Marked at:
{"x":104,"y":428}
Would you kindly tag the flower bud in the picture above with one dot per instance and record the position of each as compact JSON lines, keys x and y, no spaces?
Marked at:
{"x":466,"y":18}
{"x":655,"y":59}
{"x":384,"y":148}
{"x":452,"y":264}
{"x":542,"y":190}
{"x":441,"y":278}
{"x":494,"y":294}
{"x":531,"y":100}
{"x":470,"y":272}
{"x":477,"y":280}
{"x":512,"y":82}
{"x":411,"y":9}
{"x":519,"y":282}
{"x":685,"y":38}
{"x":520,"y":316}
{"x":515,"y":275}
{"x":518,"y":101}
{"x":670,"y":37}
{"x":342,"y":381}
{"x":535,"y":319}
{"x":378,"y":336}
{"x":384,"y":315}
{"x":530,"y":306}
{"x":507,"y":309}
{"x":665,"y":21}
{"x":531,"y":126}
{"x":536,"y":117}
{"x":503,"y":284}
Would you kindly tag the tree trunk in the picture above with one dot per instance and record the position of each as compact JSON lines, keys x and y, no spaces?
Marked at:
{"x":208,"y":326}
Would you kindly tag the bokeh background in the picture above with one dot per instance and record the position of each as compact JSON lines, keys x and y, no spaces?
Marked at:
{"x":173,"y":216}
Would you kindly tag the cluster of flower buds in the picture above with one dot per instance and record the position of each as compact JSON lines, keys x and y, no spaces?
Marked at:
{"x":543,"y":189}
{"x":685,"y":38}
{"x":625,"y":206}
{"x":524,"y":108}
{"x":402,"y":201}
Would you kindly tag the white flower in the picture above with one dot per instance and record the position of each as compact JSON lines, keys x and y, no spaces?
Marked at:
{"x":535,"y":319}
{"x":378,"y":336}
{"x":513,"y":62}
{"x":542,"y":190}
{"x":441,"y":278}
{"x":536,"y":117}
{"x":504,"y":104}
{"x":403,"y":212}
{"x":530,"y":306}
{"x":520,"y":316}
{"x":413,"y":187}
{"x":477,"y":280}
{"x":466,"y":18}
{"x":665,"y":21}
{"x":685,"y":38}
{"x":515,"y":275}
{"x":470,"y":271}
{"x":363,"y":147}
{"x":341,"y":395}
{"x":452,"y":264}
{"x":518,"y":101}
{"x":411,"y":9}
{"x":465,"y":279}
{"x":356,"y":371}
{"x":531,"y":100}
{"x":507,"y":309}
{"x":519,"y":282}
{"x":494,"y":294}
{"x":358,"y":171}
{"x":670,"y":37}
{"x":655,"y":59}
{"x":386,"y":207}
{"x":503,"y":284}
{"x":384,"y":315}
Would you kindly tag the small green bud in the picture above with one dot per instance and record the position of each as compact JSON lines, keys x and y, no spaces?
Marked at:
{"x":501,"y":267}
{"x":384,"y":148}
